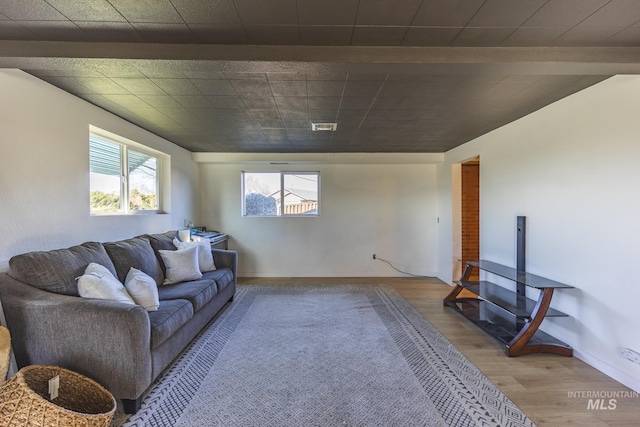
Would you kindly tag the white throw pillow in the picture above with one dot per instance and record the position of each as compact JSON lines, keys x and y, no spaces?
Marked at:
{"x":182,"y":265}
{"x":205,"y":256}
{"x":98,"y":282}
{"x":142,"y":288}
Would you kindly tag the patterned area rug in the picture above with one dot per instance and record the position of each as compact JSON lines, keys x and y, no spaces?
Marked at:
{"x":323,"y":356}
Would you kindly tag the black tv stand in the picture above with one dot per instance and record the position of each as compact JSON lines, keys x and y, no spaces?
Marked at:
{"x":508,"y":314}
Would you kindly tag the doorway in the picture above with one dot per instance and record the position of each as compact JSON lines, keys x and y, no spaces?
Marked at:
{"x":466,"y":214}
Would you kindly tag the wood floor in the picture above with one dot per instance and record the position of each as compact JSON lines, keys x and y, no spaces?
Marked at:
{"x":543,"y":386}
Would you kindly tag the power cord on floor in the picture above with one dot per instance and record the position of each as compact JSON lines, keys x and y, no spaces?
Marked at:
{"x":400,"y":271}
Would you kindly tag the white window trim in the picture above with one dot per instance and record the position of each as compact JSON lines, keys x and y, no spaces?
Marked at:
{"x":282,"y":173}
{"x":162,"y":164}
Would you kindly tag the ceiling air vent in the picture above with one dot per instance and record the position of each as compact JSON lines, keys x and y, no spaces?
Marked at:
{"x":324,"y":127}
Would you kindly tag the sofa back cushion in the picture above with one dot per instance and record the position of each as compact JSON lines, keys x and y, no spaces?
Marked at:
{"x":137,"y":253}
{"x":56,"y":270}
{"x":162,"y":242}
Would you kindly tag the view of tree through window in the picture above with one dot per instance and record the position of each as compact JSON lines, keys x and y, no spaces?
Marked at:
{"x":281,"y":193}
{"x":122,"y":180}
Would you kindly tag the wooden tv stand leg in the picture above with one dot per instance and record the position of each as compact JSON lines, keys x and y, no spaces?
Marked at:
{"x":518,"y":345}
{"x":453,"y":295}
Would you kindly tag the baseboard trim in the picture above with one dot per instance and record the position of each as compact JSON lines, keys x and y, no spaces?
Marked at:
{"x":608,"y":370}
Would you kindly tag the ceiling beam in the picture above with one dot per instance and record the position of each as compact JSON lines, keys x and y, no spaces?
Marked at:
{"x":252,"y":58}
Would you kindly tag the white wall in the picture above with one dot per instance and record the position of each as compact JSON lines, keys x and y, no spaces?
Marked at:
{"x":44,"y":178}
{"x":386,"y":209}
{"x":572,"y":170}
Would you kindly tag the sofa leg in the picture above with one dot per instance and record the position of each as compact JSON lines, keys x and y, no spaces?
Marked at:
{"x":231,"y":299}
{"x":131,"y":406}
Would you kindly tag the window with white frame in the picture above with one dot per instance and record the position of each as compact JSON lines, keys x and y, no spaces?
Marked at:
{"x":280,"y":193}
{"x":124,"y":176}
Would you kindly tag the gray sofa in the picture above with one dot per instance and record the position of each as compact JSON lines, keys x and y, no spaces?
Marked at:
{"x":123,"y":347}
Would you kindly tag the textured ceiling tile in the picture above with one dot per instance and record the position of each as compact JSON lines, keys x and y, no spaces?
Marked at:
{"x":288,"y":115}
{"x":109,"y":31}
{"x":333,"y":76}
{"x":323,"y":102}
{"x":299,"y":123}
{"x":362,"y":88}
{"x":384,"y":12}
{"x":164,"y":32}
{"x":214,"y":87}
{"x":378,"y":36}
{"x":245,"y":76}
{"x":252,"y":88}
{"x":327,"y":12}
{"x":272,"y":12}
{"x":150,"y":11}
{"x":207,"y":11}
{"x":528,"y":36}
{"x":289,"y":88}
{"x":446,"y":13}
{"x":482,"y":36}
{"x":219,"y":33}
{"x":629,"y":37}
{"x":226,"y":101}
{"x":53,"y":30}
{"x":289,"y":102}
{"x":564,"y":13}
{"x":259,"y":103}
{"x":319,"y":116}
{"x":356,"y":102}
{"x":585,"y":36}
{"x":273,"y":34}
{"x":265,"y":114}
{"x":204,"y":74}
{"x":103,"y":86}
{"x":160,"y":101}
{"x":319,"y":35}
{"x":87,"y":10}
{"x":277,"y":77}
{"x":616,"y":13}
{"x":30,"y":10}
{"x":270,"y":123}
{"x":127,"y":101}
{"x":398,"y":89}
{"x":139,"y":86}
{"x":193,"y":101}
{"x":505,"y":13}
{"x":10,"y":30}
{"x":177,"y":86}
{"x":421,"y":36}
{"x":69,"y":84}
{"x":325,"y":88}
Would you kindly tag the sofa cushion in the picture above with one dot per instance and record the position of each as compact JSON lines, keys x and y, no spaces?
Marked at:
{"x":143,"y":289}
{"x":56,"y":270}
{"x":198,"y":292}
{"x":168,"y":319}
{"x":137,"y":253}
{"x":164,"y":242}
{"x":222,"y":277}
{"x":182,"y":265}
{"x":98,"y":282}
{"x":205,"y":255}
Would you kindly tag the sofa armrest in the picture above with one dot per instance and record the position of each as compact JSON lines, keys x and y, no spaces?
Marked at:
{"x":96,"y":338}
{"x":227,"y":259}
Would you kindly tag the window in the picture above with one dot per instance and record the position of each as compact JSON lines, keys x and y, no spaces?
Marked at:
{"x":124,"y":177}
{"x":280,"y":193}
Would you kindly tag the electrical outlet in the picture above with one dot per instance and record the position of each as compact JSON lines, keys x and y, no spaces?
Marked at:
{"x":374,"y":256}
{"x":631,"y":355}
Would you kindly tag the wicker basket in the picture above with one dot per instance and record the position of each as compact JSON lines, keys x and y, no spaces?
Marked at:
{"x":81,"y":402}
